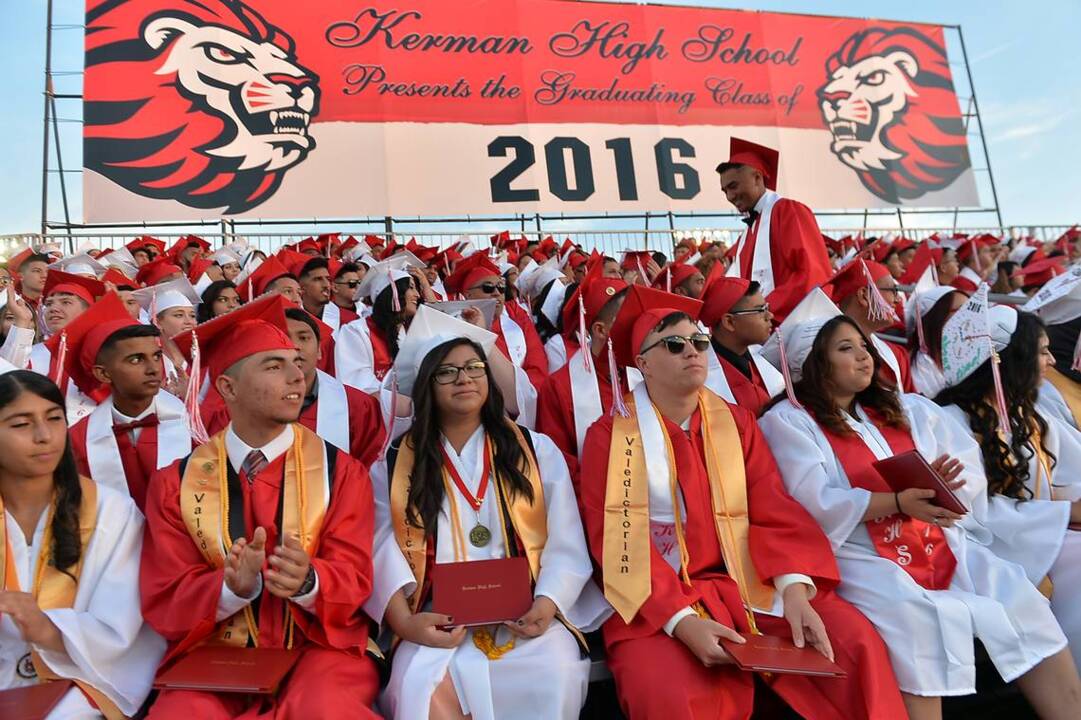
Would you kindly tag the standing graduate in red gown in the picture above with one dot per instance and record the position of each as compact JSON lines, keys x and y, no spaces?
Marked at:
{"x":792,"y":258}
{"x":690,"y":524}
{"x":290,"y":564}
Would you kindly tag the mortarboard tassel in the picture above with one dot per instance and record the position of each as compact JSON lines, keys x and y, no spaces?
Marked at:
{"x":618,"y":406}
{"x":1076,"y":365}
{"x":191,"y":395}
{"x":393,"y":409}
{"x":61,"y":358}
{"x":788,"y":387}
{"x":395,"y":301}
{"x":878,"y":309}
{"x":1000,"y":395}
{"x":919,"y":325}
{"x":583,"y":337}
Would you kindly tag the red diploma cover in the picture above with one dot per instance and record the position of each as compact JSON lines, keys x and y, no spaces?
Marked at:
{"x":33,"y":702}
{"x":910,"y":470}
{"x":767,"y":653}
{"x":217,"y":668}
{"x":482,"y":592}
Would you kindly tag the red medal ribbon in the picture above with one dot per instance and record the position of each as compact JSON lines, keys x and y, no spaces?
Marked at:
{"x":474,"y":502}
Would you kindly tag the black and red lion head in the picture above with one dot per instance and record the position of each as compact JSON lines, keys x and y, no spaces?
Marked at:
{"x":890,"y":105}
{"x":198,"y":101}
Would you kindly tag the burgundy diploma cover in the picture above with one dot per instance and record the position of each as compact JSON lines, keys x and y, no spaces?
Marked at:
{"x":33,"y":702}
{"x":910,"y":470}
{"x":482,"y":592}
{"x":220,"y":668}
{"x":767,"y":653}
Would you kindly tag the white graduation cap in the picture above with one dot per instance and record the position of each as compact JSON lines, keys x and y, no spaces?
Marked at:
{"x":122,"y":260}
{"x":1020,"y":253}
{"x":85,"y":247}
{"x":925,"y":295}
{"x":465,"y":246}
{"x":225,"y":256}
{"x":381,"y":275}
{"x":1059,"y":300}
{"x":252,"y":259}
{"x":80,"y":264}
{"x":798,"y":333}
{"x":553,"y":301}
{"x":455,"y":308}
{"x":166,"y":296}
{"x":531,"y":284}
{"x":428,"y":330}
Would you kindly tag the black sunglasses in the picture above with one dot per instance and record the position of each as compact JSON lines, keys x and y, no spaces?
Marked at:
{"x":676,"y":344}
{"x":351,"y":284}
{"x":490,"y":287}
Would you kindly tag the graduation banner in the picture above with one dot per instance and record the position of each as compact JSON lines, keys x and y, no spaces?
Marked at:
{"x":346,"y":108}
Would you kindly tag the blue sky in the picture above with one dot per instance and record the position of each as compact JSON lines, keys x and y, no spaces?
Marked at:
{"x":1023,"y":56}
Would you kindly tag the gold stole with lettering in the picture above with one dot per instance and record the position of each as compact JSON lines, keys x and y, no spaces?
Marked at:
{"x":204,"y":505}
{"x":529,"y":519}
{"x":54,"y":589}
{"x":1070,"y":390}
{"x":627,"y":542}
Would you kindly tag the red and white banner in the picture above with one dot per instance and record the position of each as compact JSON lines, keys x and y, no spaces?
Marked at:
{"x":346,"y":108}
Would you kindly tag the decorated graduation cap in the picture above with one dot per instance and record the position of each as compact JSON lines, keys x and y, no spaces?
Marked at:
{"x":719,"y":298}
{"x":76,"y":347}
{"x":973,"y":336}
{"x":87,"y":289}
{"x":257,"y":282}
{"x":858,"y":274}
{"x":789,"y":346}
{"x":385,"y":274}
{"x":155,"y":271}
{"x":469,"y":272}
{"x":166,"y":296}
{"x":763,"y":159}
{"x":80,"y":264}
{"x":1059,"y":301}
{"x":428,"y":330}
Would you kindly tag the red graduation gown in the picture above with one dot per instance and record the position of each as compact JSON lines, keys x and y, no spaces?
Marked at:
{"x":366,"y":431}
{"x":140,"y":461}
{"x":750,"y":392}
{"x":904,"y":363}
{"x":798,"y":253}
{"x":180,"y":593}
{"x":784,"y":538}
{"x":535,"y":363}
{"x":555,"y":405}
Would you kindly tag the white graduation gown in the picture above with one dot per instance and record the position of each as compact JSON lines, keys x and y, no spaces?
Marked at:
{"x":929,"y":634}
{"x":107,"y":643}
{"x":1050,"y":403}
{"x":541,"y":678}
{"x":354,"y":358}
{"x":1034,"y":533}
{"x":79,"y":405}
{"x":927,"y":377}
{"x":556,"y":350}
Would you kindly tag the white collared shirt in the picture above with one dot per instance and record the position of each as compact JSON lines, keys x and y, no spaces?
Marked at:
{"x":120,"y":418}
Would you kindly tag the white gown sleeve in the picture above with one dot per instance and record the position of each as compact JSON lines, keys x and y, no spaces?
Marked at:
{"x":1050,"y":403}
{"x":107,"y":643}
{"x":807,"y":465}
{"x":17,"y":345}
{"x":526,"y":396}
{"x":354,"y":359}
{"x":392,"y":571}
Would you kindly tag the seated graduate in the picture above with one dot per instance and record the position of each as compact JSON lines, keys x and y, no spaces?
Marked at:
{"x":697,"y":540}
{"x":926,"y":313}
{"x":927,"y":582}
{"x":288,"y":564}
{"x":69,"y":595}
{"x":465,"y":484}
{"x":137,"y":427}
{"x":1032,"y":461}
{"x":1059,"y":305}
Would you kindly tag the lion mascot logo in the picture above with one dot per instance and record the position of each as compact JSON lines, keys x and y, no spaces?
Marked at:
{"x":200,"y":102}
{"x":890,"y":106}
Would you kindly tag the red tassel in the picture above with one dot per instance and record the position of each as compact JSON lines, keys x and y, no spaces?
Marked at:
{"x":61,"y":358}
{"x":618,"y":406}
{"x":878,"y":309}
{"x":191,"y":396}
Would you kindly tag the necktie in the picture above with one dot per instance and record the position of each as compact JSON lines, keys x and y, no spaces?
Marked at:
{"x":253,"y":463}
{"x":751,"y":217}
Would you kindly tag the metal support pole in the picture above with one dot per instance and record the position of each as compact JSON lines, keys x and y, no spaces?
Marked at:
{"x":979,"y":124}
{"x":63,"y":181}
{"x":388,"y":226}
{"x":45,"y":120}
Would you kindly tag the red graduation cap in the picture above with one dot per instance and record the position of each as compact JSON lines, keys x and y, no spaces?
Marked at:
{"x":643,"y":308}
{"x":763,"y":159}
{"x":340,"y":250}
{"x":583,"y":305}
{"x":308,"y":246}
{"x":500,"y":240}
{"x":849,"y":279}
{"x":442,"y":261}
{"x":637,"y":260}
{"x":58,"y":281}
{"x":19,"y":258}
{"x":84,"y":337}
{"x":114,"y":276}
{"x":1041,"y":271}
{"x":678,"y":271}
{"x":546,"y":248}
{"x":469,"y":272}
{"x":903,"y":243}
{"x":425,"y":254}
{"x":924,"y":257}
{"x":720,"y":296}
{"x":374,"y":241}
{"x":882,"y":250}
{"x":184,"y":243}
{"x":268,"y":271}
{"x":156,"y":271}
{"x":297,"y":262}
{"x":198,"y":266}
{"x":576,"y":260}
{"x":256,"y":327}
{"x":147,"y":243}
{"x":966,"y":249}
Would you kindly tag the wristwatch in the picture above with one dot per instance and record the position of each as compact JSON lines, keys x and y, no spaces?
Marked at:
{"x":309,"y":584}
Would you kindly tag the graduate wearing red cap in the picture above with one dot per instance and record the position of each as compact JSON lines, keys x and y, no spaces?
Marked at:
{"x":299,"y":564}
{"x":137,"y":427}
{"x":186,"y":249}
{"x":792,"y":258}
{"x":158,"y":271}
{"x":866,"y":292}
{"x":1039,"y":272}
{"x":739,"y":319}
{"x":270,"y":276}
{"x":977,"y":257}
{"x":680,"y":570}
{"x":682,"y":279}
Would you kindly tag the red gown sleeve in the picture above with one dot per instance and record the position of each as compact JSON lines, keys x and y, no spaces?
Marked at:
{"x":555,"y":414}
{"x":668,"y":594}
{"x":343,"y":562}
{"x":800,"y":261}
{"x":366,"y":430}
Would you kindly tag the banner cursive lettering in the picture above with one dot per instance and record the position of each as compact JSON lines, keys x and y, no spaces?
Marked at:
{"x":371,"y":25}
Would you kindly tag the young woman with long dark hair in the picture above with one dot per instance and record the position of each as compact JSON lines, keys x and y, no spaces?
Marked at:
{"x":912,"y":567}
{"x":465,"y":484}
{"x":219,"y":298}
{"x":1034,"y":471}
{"x":932,"y":308}
{"x":69,"y":599}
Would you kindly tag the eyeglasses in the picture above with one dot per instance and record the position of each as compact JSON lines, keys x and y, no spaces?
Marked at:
{"x":676,"y":344}
{"x":448,"y":374}
{"x":489,"y":288}
{"x":351,"y":284}
{"x":758,"y":310}
{"x":894,"y":289}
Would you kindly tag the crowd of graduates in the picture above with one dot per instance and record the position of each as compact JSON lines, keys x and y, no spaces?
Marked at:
{"x":207,"y":446}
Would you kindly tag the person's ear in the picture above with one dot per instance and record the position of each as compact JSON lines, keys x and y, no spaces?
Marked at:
{"x":226,"y":387}
{"x":598,"y":329}
{"x":101,"y":375}
{"x":728,"y":322}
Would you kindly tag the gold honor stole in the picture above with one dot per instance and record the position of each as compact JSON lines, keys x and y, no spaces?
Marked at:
{"x":204,"y":505}
{"x":1070,"y":390}
{"x":529,"y":519}
{"x":627,"y":541}
{"x":54,"y":589}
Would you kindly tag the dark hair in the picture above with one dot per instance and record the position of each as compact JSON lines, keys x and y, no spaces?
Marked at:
{"x":1006,"y":466}
{"x":346,"y":267}
{"x":1063,"y":340}
{"x":607,"y":313}
{"x":726,"y":166}
{"x":385,"y":318}
{"x":127,"y":333}
{"x":660,"y":258}
{"x":933,"y":321}
{"x":813,"y":388}
{"x":426,"y":481}
{"x":316,"y":263}
{"x":295,"y":313}
{"x":36,"y":257}
{"x":671,"y":319}
{"x":545,"y":327}
{"x":210,"y":296}
{"x":754,"y":287}
{"x":67,"y":546}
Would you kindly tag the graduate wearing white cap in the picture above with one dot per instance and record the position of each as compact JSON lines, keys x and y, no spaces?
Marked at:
{"x":1032,"y":460}
{"x":927,"y":310}
{"x":921,"y":574}
{"x":1058,"y":303}
{"x":229,"y":261}
{"x":527,"y":669}
{"x":80,"y":264}
{"x":169,"y":305}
